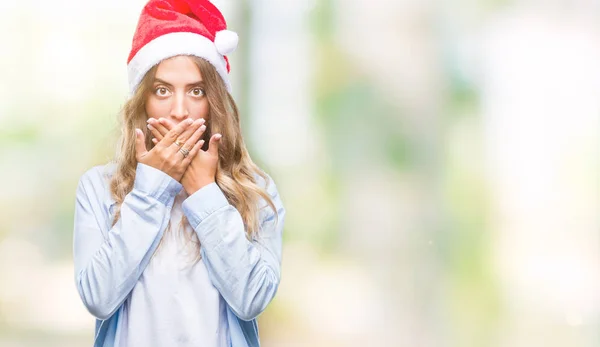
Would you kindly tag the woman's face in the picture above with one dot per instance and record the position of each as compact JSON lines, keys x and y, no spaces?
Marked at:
{"x":177,"y":91}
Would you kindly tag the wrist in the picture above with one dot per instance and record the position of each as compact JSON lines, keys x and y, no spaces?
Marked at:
{"x":197,"y":185}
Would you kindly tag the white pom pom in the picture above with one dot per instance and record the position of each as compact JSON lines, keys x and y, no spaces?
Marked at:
{"x":226,"y":41}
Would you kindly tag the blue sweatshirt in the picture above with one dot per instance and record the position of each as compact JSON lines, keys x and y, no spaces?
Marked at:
{"x":110,"y":260}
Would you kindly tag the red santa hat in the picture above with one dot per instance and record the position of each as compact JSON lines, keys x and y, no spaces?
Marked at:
{"x":167,"y":28}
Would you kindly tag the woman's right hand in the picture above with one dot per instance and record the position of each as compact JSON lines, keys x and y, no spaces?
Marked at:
{"x":166,"y":155}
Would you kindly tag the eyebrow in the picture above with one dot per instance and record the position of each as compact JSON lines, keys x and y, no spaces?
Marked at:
{"x":198,"y":83}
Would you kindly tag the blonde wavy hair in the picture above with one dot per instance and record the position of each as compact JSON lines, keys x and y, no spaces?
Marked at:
{"x":235,"y":172}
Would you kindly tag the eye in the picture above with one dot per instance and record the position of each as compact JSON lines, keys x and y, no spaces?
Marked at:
{"x":197,"y":92}
{"x":161,"y":91}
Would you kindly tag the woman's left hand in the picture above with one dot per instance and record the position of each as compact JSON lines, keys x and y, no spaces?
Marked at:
{"x":203,"y":168}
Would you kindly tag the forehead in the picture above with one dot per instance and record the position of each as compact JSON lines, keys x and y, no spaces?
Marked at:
{"x":180,"y":69}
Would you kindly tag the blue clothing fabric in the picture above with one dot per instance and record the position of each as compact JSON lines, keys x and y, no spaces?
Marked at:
{"x":109,"y":260}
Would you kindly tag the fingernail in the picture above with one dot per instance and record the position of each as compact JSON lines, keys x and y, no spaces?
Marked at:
{"x":218,"y":136}
{"x":149,"y":120}
{"x":203,"y":127}
{"x":150,"y":127}
{"x":190,"y":121}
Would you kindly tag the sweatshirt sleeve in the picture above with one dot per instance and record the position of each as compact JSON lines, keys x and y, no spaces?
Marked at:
{"x":246,"y":273}
{"x":108,"y":264}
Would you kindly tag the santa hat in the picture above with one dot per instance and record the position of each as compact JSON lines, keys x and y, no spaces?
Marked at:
{"x":167,"y":28}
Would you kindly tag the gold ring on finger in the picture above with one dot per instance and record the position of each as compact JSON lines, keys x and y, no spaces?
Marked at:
{"x":184,"y":151}
{"x":178,"y":144}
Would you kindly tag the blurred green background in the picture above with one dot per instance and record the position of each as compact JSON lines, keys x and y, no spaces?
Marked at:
{"x":438,"y":161}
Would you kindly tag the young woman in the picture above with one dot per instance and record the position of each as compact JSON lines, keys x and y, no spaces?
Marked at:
{"x":177,"y":242}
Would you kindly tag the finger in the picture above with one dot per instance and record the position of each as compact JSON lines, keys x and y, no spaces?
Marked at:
{"x":195,"y":150}
{"x":195,"y":137}
{"x":174,"y":133}
{"x":189,"y":132}
{"x":140,"y":144}
{"x":213,"y":144}
{"x":166,"y":123}
{"x":162,"y":125}
{"x":154,"y":141}
{"x":155,"y":132}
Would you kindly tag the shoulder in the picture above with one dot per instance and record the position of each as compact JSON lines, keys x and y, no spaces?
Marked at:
{"x":95,"y":182}
{"x":267,"y":183}
{"x":93,"y":192}
{"x":98,"y":175}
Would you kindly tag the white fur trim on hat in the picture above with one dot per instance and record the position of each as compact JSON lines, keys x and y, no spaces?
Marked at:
{"x":170,"y":45}
{"x":226,"y":41}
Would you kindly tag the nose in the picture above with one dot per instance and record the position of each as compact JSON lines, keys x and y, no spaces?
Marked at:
{"x":179,"y":110}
